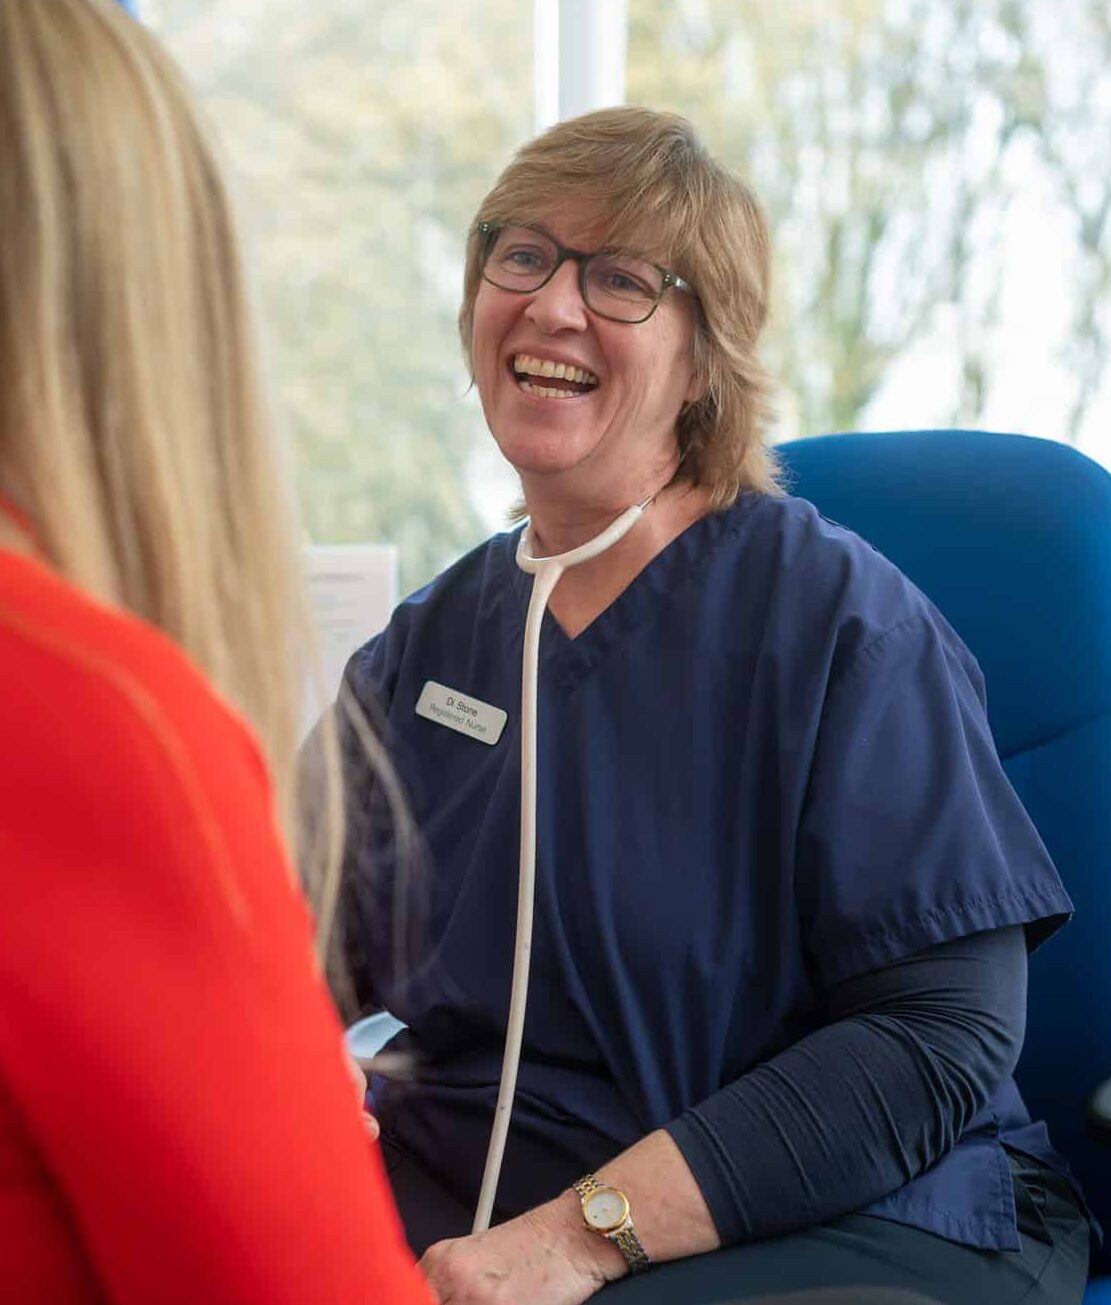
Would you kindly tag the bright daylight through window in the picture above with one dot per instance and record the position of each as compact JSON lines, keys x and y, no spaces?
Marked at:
{"x":939,"y":180}
{"x":936,"y":173}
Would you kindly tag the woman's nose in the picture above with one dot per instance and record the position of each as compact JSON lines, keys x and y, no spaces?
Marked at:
{"x":559,"y":305}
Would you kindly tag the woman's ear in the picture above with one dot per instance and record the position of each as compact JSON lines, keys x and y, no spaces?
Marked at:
{"x":701,"y":360}
{"x":696,"y":389}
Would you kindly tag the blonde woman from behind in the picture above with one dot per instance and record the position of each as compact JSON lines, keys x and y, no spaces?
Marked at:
{"x":156,"y":957}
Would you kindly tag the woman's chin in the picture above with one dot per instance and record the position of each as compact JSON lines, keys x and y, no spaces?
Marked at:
{"x":542,"y":457}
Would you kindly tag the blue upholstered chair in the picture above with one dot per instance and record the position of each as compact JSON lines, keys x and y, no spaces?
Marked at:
{"x":1011,"y":538}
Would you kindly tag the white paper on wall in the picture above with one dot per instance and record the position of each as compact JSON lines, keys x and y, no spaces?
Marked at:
{"x":353,"y":591}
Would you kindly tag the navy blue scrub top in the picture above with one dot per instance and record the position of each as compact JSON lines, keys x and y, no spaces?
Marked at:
{"x":765,"y":768}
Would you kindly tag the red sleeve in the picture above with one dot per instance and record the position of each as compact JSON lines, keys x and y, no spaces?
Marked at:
{"x":164,"y":1039}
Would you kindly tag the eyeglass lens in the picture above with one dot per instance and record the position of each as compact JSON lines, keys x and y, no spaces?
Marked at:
{"x":616,"y":285}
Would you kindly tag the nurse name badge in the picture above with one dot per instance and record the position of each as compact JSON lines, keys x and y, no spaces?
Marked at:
{"x":459,"y":712}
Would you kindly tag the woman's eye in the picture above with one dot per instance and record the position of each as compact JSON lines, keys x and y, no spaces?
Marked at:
{"x":524,"y":260}
{"x":622,"y":282}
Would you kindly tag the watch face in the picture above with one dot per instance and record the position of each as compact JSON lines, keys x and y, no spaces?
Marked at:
{"x":605,"y":1209}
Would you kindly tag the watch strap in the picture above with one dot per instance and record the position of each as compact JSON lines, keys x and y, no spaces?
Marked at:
{"x":629,"y":1244}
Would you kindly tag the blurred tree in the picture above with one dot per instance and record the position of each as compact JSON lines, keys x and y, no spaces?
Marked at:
{"x":1075,"y":141}
{"x":889,"y":140}
{"x":362,"y":138}
{"x":893,"y":141}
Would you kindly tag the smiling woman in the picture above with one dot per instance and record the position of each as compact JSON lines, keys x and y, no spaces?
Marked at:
{"x":656,"y":222}
{"x":606,"y":443}
{"x":783,"y":888}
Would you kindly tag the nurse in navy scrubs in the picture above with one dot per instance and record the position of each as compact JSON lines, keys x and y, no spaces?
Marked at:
{"x":785,"y":893}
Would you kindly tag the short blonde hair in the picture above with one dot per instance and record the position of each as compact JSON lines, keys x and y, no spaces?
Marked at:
{"x":643,"y":180}
{"x":133,"y":428}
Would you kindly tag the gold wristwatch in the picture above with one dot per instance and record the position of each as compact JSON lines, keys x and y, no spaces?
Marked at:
{"x":606,"y":1211}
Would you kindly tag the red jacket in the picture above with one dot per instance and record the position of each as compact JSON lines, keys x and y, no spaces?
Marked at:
{"x":176,"y":1120}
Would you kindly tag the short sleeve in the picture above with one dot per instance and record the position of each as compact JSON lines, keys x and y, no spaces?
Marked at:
{"x":911,"y":834}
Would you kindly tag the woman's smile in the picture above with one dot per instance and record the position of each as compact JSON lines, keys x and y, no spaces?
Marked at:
{"x":551,"y":379}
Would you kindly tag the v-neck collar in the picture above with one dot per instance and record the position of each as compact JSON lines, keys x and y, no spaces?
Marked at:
{"x":679,"y":562}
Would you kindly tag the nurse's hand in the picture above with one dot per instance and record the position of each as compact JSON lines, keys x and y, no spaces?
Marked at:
{"x":544,"y":1257}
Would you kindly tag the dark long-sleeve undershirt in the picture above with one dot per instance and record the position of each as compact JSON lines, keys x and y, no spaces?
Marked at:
{"x":860,"y":1106}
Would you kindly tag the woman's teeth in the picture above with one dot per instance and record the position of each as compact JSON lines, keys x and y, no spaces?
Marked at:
{"x":577,"y":379}
{"x":546,"y":392}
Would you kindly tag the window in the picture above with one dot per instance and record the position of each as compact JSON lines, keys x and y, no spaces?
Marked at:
{"x":938,"y":176}
{"x":361,"y":139}
{"x":939,"y":181}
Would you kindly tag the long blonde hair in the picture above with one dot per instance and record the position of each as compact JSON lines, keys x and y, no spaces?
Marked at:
{"x":133,"y":428}
{"x":645,"y":181}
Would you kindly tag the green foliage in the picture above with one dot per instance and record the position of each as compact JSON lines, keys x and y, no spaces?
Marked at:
{"x":362,"y":137}
{"x":889,"y":140}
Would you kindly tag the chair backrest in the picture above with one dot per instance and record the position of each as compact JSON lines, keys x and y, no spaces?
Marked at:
{"x":1011,"y":538}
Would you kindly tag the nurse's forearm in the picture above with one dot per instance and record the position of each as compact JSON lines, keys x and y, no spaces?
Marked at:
{"x":669,"y":1211}
{"x":846,"y":1115}
{"x":859,"y":1107}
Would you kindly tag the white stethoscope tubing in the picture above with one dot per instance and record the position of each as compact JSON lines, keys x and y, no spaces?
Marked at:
{"x":546,"y":572}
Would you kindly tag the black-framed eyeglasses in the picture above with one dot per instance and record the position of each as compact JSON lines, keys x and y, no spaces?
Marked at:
{"x":614,"y":284}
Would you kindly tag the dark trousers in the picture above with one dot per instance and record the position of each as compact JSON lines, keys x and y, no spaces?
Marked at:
{"x":854,"y":1260}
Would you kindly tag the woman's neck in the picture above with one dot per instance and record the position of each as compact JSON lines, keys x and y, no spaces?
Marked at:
{"x":567,"y":512}
{"x":585,"y":591}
